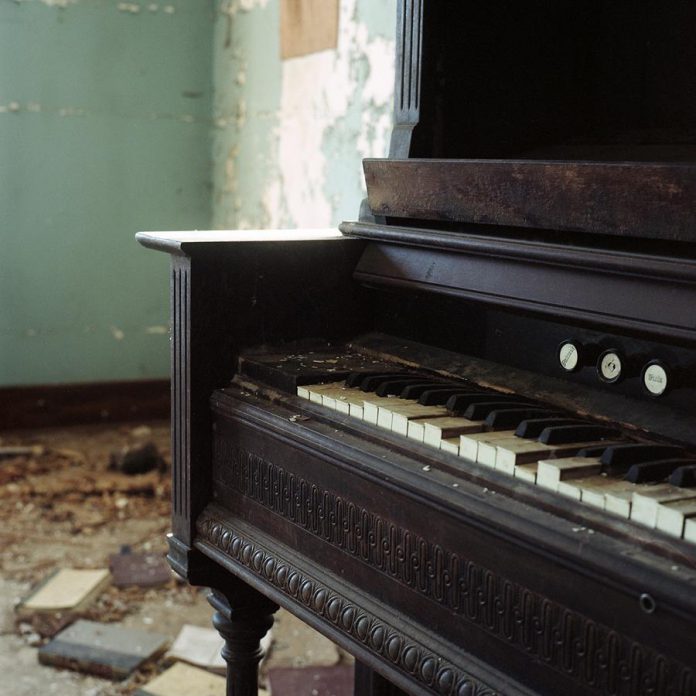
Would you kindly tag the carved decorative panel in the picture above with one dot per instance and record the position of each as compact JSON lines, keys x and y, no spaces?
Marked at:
{"x":592,"y":654}
{"x":402,"y":651}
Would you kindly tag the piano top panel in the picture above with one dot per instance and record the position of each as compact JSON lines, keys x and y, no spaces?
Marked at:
{"x":642,"y":200}
{"x":181,"y":242}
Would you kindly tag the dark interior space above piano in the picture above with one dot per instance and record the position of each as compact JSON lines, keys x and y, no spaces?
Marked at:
{"x":548,"y":115}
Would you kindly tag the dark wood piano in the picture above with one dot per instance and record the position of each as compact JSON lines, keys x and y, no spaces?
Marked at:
{"x":458,"y":437}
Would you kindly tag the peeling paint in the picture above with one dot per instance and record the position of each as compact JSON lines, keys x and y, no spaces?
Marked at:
{"x":232,"y":7}
{"x":290,"y":135}
{"x":241,"y":114}
{"x":131,"y":7}
{"x":317,"y":93}
{"x":68,"y":111}
{"x":58,"y":3}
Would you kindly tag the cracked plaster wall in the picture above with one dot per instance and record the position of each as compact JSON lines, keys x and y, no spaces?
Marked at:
{"x":290,"y":135}
{"x":105,"y":119}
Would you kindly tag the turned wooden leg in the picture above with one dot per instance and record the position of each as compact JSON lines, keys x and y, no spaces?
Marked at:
{"x":242,"y":617}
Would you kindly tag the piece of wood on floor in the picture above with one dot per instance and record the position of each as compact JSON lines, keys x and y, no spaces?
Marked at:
{"x":139,"y":569}
{"x":107,"y":650}
{"x":202,"y":646}
{"x":198,"y":646}
{"x":184,"y":680}
{"x":311,"y":681}
{"x":68,"y":589}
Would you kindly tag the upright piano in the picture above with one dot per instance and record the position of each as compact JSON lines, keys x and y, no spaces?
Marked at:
{"x":457,"y":437}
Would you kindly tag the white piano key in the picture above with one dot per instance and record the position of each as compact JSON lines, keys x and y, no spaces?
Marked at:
{"x":303,"y":391}
{"x":334,"y":394}
{"x":450,"y":444}
{"x":371,"y":407}
{"x":592,"y":489}
{"x":438,"y":429}
{"x":618,"y":500}
{"x":569,"y":489}
{"x":552,"y":471}
{"x":468,"y":444}
{"x":690,"y":530}
{"x":672,"y":516}
{"x":486,"y":453}
{"x":526,"y":472}
{"x":521,"y":451}
{"x":647,"y":500}
{"x":416,"y":429}
{"x":401,"y":418}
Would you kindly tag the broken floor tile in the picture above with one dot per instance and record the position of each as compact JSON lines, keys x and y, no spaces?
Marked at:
{"x":184,"y":680}
{"x":68,"y":589}
{"x":139,"y":569}
{"x":311,"y":681}
{"x":297,"y":645}
{"x":107,"y":650}
{"x":202,"y":647}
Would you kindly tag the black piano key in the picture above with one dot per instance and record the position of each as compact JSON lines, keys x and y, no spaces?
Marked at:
{"x":479,"y":410}
{"x":618,"y":459}
{"x":532,"y":428}
{"x":565,"y":434}
{"x":509,"y":418}
{"x":653,"y":471}
{"x":414,"y":391}
{"x":354,"y":378}
{"x":440,"y":396}
{"x":596,"y":450}
{"x":371,"y":383}
{"x":396,"y":386}
{"x":684,"y":476}
{"x":458,"y":403}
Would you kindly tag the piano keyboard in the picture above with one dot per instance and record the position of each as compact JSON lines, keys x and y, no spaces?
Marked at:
{"x":652,"y":484}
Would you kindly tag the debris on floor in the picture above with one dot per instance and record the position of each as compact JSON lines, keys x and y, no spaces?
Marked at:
{"x":198,"y":646}
{"x":202,"y":647}
{"x":184,"y":680}
{"x":136,"y":458}
{"x":64,"y":509}
{"x":289,"y":633}
{"x":139,"y":569}
{"x":311,"y":681}
{"x":65,"y":590}
{"x":106,"y":650}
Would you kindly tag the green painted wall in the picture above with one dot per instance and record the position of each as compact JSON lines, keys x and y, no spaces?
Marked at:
{"x":104,"y":130}
{"x":124,"y":116}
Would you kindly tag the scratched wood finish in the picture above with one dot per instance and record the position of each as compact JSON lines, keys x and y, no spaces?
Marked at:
{"x":655,"y":201}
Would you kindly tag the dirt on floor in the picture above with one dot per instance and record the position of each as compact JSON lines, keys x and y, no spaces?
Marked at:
{"x":65,"y":501}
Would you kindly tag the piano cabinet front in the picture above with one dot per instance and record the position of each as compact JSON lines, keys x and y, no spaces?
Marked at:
{"x":442,"y":586}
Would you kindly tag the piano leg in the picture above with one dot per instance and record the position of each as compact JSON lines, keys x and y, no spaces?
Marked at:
{"x":242,"y":617}
{"x":369,"y":683}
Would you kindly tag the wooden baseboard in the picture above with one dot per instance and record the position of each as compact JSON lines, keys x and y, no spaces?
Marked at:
{"x":73,"y":404}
